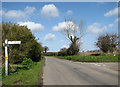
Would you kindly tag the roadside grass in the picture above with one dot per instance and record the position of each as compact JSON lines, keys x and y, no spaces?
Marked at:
{"x":0,"y":74}
{"x":100,"y":58}
{"x":25,"y":77}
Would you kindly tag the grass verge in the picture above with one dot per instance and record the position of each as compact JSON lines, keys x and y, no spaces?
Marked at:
{"x":25,"y":77}
{"x":100,"y":58}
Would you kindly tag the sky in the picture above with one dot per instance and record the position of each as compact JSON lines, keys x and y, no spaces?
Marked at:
{"x":46,"y":20}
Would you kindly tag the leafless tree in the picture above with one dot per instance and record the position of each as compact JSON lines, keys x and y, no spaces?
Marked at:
{"x":74,"y":33}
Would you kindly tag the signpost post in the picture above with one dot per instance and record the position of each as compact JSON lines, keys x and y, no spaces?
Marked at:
{"x":6,"y":53}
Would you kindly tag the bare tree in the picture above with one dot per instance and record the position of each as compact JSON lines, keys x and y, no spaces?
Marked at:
{"x":74,"y":33}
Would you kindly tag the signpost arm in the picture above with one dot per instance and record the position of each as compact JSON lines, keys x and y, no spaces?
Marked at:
{"x":6,"y":58}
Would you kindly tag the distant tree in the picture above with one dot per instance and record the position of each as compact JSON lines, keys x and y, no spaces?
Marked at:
{"x":107,"y":42}
{"x":46,"y":49}
{"x":63,"y":49}
{"x":74,"y":33}
{"x":62,"y":52}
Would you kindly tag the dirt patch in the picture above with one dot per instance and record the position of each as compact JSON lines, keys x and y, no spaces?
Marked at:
{"x":15,"y":82}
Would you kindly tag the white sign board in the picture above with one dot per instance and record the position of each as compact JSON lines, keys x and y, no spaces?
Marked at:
{"x":14,"y":42}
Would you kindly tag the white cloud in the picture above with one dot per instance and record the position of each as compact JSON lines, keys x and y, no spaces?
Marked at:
{"x":63,"y":25}
{"x":110,"y":25}
{"x":95,"y":28}
{"x":112,"y":12}
{"x":64,"y":46}
{"x":35,"y":27}
{"x":69,"y":12}
{"x":1,"y":12}
{"x":60,"y":26}
{"x":114,"y":23}
{"x":50,"y":10}
{"x":15,"y":14}
{"x":67,"y":41}
{"x":18,"y":14}
{"x":62,"y":40}
{"x":50,"y":37}
{"x":117,"y":20}
{"x":29,"y":9}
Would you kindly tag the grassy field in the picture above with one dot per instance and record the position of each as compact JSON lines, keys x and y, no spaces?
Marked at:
{"x":25,"y":77}
{"x":100,"y":58}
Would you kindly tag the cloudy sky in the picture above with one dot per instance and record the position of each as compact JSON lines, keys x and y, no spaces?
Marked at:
{"x":46,"y":20}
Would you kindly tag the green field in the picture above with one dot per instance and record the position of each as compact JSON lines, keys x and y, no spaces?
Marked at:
{"x":25,"y":77}
{"x":100,"y":58}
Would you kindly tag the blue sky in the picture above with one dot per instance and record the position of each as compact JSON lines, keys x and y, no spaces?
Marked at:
{"x":42,"y":17}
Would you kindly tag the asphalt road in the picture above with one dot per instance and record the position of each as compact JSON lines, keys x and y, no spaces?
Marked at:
{"x":65,"y":72}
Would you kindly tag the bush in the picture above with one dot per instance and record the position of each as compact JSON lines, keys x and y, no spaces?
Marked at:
{"x":97,"y":54}
{"x":29,"y":47}
{"x":62,"y":53}
{"x":73,"y":49}
{"x":27,"y":63}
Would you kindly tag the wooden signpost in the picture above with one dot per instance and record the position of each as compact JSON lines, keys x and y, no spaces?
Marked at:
{"x":6,"y":53}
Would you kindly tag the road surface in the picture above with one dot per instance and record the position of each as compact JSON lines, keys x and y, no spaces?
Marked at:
{"x":65,"y":72}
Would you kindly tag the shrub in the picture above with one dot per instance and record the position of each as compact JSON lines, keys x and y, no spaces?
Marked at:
{"x":27,"y":63}
{"x":73,"y":49}
{"x":29,"y":47}
{"x":62,"y":52}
